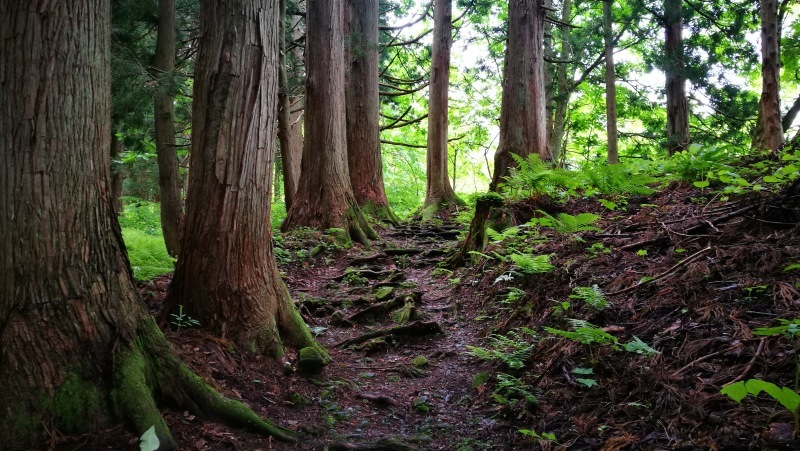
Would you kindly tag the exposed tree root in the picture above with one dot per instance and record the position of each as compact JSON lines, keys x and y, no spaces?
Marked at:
{"x":415,"y":328}
{"x":384,"y":444}
{"x":150,"y":369}
{"x":476,"y":236}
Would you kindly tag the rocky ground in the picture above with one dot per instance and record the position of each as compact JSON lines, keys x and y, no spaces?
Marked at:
{"x":491,"y":356}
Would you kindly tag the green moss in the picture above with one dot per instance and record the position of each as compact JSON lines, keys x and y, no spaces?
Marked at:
{"x":340,"y":236}
{"x":419,"y":361}
{"x":77,"y":404}
{"x":133,"y":395}
{"x":383,"y":293}
{"x":492,"y":198}
{"x":310,"y":360}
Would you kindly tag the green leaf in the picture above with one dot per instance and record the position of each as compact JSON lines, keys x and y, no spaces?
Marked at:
{"x":149,"y":441}
{"x":792,"y":267}
{"x":587,"y":382}
{"x":736,"y":391}
{"x":772,"y":179}
{"x":702,"y":184}
{"x":583,"y":371}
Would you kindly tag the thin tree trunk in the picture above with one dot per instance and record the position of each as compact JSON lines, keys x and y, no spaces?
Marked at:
{"x":169,"y":181}
{"x":116,"y":176}
{"x":439,"y":193}
{"x":771,"y":136}
{"x":611,"y":89}
{"x":563,"y":86}
{"x":677,"y":103}
{"x":522,"y":107}
{"x":226,"y":276}
{"x":78,"y":349}
{"x":363,"y":110}
{"x":288,"y":130}
{"x":325,"y":197}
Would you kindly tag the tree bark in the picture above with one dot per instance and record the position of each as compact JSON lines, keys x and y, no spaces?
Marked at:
{"x":363,"y":111}
{"x":289,"y":135}
{"x":563,"y":86}
{"x":439,"y":193}
{"x":169,"y":181}
{"x":677,"y":103}
{"x":226,"y":276}
{"x":611,"y":89}
{"x":116,"y":176}
{"x":78,"y":349}
{"x":325,"y":197}
{"x":770,"y":135}
{"x":522,"y":107}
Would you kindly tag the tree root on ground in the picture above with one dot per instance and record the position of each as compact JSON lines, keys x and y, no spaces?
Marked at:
{"x":413,"y":329}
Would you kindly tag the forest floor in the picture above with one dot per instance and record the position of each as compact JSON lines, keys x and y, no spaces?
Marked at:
{"x":686,"y":278}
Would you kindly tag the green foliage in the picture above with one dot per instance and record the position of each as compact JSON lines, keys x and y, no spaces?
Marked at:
{"x":149,"y":440}
{"x":531,"y":264}
{"x":512,"y":349}
{"x":639,"y":347}
{"x":566,"y":223}
{"x":786,"y":328}
{"x":147,"y":254}
{"x":584,"y":378}
{"x":585,"y":333}
{"x":513,"y":295}
{"x":787,"y":397}
{"x":182,"y":320}
{"x":141,"y":215}
{"x":593,"y":296}
{"x":511,"y":389}
{"x":547,"y":436}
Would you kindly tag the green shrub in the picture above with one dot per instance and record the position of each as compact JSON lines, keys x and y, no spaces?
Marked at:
{"x":147,"y":253}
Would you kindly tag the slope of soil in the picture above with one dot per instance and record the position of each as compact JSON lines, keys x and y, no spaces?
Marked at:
{"x":690,"y":277}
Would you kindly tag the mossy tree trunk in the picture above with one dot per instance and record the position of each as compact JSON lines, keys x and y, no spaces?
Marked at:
{"x":325,"y":197}
{"x":476,"y":238}
{"x":363,"y":110}
{"x":439,"y":193}
{"x":169,"y":180}
{"x":78,"y":349}
{"x":522,"y":106}
{"x":226,"y":276}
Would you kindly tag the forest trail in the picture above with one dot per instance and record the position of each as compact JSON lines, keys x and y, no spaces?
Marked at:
{"x":622,"y":340}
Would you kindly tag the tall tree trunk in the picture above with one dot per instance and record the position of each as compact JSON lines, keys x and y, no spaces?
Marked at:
{"x":522,"y":107}
{"x":563,"y":85}
{"x":289,"y":136}
{"x":78,"y":349}
{"x":325,"y":197}
{"x":116,"y":176}
{"x":226,"y":275}
{"x":770,"y":135}
{"x":611,"y":89}
{"x":169,"y":181}
{"x":677,"y":103}
{"x":363,"y":110}
{"x":439,"y":193}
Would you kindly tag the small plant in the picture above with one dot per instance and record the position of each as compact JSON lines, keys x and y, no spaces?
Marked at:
{"x":585,"y":333}
{"x":584,"y":376}
{"x":642,"y":252}
{"x":566,"y":223}
{"x":355,"y":280}
{"x":591,"y":295}
{"x":561,"y":308}
{"x":597,"y":248}
{"x":546,"y":436}
{"x":787,"y":397}
{"x":639,"y":347}
{"x":513,"y":295}
{"x":182,"y":320}
{"x":511,"y":389}
{"x":531,"y":264}
{"x":511,"y":349}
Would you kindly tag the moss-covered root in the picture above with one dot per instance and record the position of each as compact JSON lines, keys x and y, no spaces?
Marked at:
{"x":360,"y":229}
{"x":149,"y":367}
{"x":378,"y":212}
{"x":295,"y":330}
{"x":133,"y":397}
{"x":213,"y":405}
{"x":476,"y":236}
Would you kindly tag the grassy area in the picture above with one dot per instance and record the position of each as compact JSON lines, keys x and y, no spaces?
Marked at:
{"x":141,"y":230}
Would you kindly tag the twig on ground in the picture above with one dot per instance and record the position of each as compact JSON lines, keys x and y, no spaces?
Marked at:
{"x":752,"y":361}
{"x":664,"y":274}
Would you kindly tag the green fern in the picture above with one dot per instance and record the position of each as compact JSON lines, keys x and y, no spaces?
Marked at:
{"x":512,"y":349}
{"x":585,"y":333}
{"x":591,"y":295}
{"x":511,"y":388}
{"x":531,"y":264}
{"x":566,"y":223}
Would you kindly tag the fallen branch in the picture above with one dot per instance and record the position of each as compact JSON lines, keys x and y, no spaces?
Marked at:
{"x":664,"y":274}
{"x":415,"y":328}
{"x":752,"y":361}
